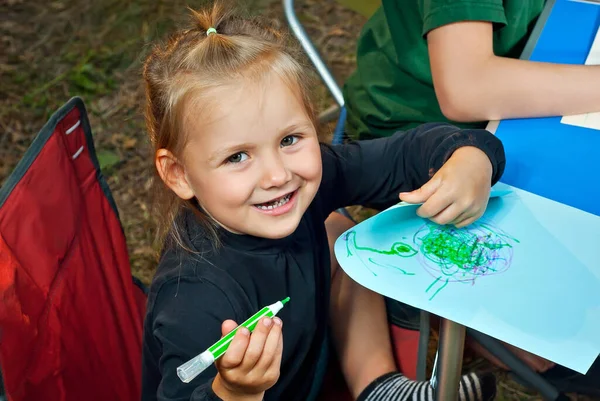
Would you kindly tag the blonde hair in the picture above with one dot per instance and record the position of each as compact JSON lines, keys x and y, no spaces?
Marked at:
{"x":192,"y":62}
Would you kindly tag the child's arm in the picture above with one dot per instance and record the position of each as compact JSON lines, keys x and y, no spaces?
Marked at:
{"x":472,"y":84}
{"x":188,"y":317}
{"x":375,"y":172}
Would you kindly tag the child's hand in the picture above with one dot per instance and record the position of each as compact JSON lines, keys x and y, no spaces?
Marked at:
{"x":459,"y":192}
{"x":251,"y":364}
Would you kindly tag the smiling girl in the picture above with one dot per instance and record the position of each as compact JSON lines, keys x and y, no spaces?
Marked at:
{"x":247,"y":220}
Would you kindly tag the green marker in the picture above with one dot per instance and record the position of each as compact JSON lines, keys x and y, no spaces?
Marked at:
{"x":196,"y":365}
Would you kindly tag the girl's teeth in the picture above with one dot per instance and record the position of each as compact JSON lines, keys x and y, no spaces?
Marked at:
{"x":275,"y":204}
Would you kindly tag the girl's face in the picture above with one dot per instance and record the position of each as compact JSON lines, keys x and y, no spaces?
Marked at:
{"x":254,"y":163}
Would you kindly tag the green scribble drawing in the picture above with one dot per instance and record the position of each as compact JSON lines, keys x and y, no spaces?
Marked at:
{"x":447,"y":253}
{"x":439,"y":289}
{"x":397,"y":249}
{"x":392,"y":267}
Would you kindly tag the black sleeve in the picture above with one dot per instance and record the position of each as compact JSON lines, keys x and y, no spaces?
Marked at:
{"x":374,"y":172}
{"x":186,"y":320}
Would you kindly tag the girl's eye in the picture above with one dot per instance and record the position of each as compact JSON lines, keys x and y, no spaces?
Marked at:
{"x":237,"y":158}
{"x":289,"y":140}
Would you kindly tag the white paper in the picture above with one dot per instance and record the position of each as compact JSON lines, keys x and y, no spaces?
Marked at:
{"x":589,"y":120}
{"x":587,"y":1}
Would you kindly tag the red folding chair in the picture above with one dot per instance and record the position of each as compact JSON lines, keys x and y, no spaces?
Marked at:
{"x":70,"y":315}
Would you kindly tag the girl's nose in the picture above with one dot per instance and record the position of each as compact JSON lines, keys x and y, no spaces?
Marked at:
{"x":275,"y":173}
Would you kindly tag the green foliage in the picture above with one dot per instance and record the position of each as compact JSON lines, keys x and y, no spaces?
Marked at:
{"x":107,"y":159}
{"x":363,"y":7}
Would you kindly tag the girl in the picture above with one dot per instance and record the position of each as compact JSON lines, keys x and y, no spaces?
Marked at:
{"x":248,"y":189}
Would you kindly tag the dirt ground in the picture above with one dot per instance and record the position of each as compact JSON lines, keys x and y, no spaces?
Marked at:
{"x":51,"y":51}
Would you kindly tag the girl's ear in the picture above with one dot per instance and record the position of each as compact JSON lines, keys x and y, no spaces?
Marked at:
{"x":172,"y":172}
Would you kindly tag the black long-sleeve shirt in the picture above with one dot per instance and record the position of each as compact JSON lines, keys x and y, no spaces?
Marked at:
{"x":194,"y":292}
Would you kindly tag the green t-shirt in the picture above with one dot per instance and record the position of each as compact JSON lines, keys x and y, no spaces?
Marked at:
{"x":392,"y":88}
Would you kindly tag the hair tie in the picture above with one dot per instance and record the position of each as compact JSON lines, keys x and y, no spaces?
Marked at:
{"x":210,"y":31}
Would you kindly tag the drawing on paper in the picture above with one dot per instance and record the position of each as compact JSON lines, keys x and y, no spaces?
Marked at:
{"x":462,"y":255}
{"x":401,"y":249}
{"x":447,"y":253}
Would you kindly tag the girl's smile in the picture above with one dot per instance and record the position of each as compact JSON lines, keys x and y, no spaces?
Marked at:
{"x":279,"y":205}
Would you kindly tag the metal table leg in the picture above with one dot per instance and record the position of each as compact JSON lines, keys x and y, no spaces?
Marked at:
{"x":449,"y":367}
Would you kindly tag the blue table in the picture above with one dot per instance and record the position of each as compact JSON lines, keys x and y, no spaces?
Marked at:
{"x":544,"y":156}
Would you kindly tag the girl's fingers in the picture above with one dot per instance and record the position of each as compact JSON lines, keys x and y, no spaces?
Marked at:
{"x":257,"y":342}
{"x":468,"y":217}
{"x":464,"y":215}
{"x":422,"y":194}
{"x":272,"y":372}
{"x":463,"y":222}
{"x":278,"y":352}
{"x":227,"y":326}
{"x":448,"y":215}
{"x":237,"y":349}
{"x":439,"y":201}
{"x":272,"y":343}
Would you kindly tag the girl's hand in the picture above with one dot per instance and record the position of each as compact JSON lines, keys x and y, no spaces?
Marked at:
{"x":459,"y":192}
{"x":251,"y":364}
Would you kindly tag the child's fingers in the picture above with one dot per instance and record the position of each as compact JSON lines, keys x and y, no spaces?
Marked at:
{"x":465,"y":222}
{"x":278,"y":353}
{"x":449,"y":214}
{"x":257,"y":342}
{"x":271,"y":345}
{"x":273,"y":370}
{"x":234,"y":355}
{"x":469,"y":216}
{"x":227,"y":326}
{"x":436,"y":203}
{"x":422,"y":194}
